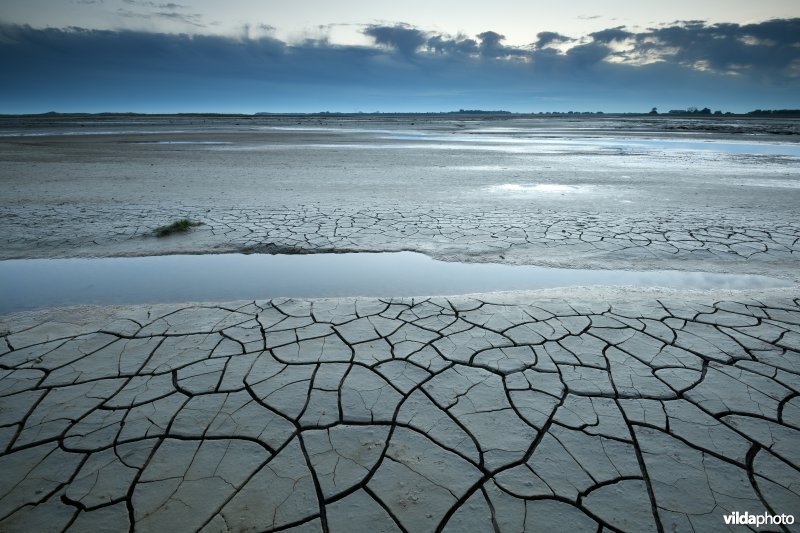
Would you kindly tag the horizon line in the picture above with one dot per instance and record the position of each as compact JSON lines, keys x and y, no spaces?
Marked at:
{"x":674,"y":112}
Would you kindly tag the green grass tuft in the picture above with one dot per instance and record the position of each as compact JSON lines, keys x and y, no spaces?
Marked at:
{"x":179,"y":226}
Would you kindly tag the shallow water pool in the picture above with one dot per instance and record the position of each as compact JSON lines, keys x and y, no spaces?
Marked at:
{"x":39,"y":283}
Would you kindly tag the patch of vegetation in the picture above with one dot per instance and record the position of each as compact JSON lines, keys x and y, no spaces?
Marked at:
{"x":179,"y":226}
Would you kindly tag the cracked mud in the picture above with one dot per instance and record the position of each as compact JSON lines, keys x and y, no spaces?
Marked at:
{"x":570,"y":410}
{"x":551,"y":192}
{"x":550,"y":237}
{"x":408,"y":414}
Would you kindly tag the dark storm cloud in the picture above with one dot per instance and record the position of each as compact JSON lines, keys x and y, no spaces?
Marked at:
{"x":492,"y":47}
{"x":611,"y":34}
{"x":782,"y":31}
{"x":767,"y":47}
{"x":587,"y":54}
{"x":490,"y":44}
{"x":460,"y":45}
{"x":409,"y":41}
{"x":688,"y":62}
{"x":548,"y":37}
{"x":405,"y":39}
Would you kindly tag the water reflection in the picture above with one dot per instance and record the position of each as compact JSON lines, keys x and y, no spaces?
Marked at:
{"x":39,"y":283}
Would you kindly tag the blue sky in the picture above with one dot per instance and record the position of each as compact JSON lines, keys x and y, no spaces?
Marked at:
{"x":249,"y":56}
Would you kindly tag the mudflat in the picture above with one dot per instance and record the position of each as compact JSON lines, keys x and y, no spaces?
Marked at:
{"x":565,"y":409}
{"x":719,"y":195}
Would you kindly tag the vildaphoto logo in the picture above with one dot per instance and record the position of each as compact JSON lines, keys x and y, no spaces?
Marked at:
{"x":746,"y":519}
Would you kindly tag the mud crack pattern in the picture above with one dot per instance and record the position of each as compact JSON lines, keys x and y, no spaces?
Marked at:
{"x":436,"y":414}
{"x":519,"y":236}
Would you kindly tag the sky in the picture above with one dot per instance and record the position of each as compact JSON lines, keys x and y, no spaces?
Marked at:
{"x":246,"y":56}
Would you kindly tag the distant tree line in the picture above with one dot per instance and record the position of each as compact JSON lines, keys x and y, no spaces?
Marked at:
{"x":707,"y":111}
{"x":478,"y":112}
{"x":773,"y":112}
{"x":692,"y":111}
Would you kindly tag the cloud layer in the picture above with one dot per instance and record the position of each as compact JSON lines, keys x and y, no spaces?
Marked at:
{"x":688,"y":63}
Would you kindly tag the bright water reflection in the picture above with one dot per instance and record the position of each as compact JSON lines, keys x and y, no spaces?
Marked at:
{"x":39,"y":283}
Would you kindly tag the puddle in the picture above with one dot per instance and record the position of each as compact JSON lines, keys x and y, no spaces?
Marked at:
{"x":39,"y":283}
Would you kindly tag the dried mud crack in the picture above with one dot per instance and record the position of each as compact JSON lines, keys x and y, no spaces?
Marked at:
{"x":579,"y":409}
{"x":681,"y":239}
{"x":440,"y":414}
